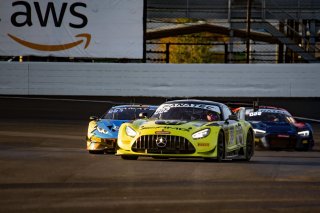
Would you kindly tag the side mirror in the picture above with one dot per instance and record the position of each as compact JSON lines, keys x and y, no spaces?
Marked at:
{"x":143,"y":115}
{"x":92,"y":118}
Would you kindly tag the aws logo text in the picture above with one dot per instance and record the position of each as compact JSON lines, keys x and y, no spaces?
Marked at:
{"x":27,"y":12}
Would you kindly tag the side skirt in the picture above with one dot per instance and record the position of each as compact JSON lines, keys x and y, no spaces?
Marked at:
{"x":235,"y":154}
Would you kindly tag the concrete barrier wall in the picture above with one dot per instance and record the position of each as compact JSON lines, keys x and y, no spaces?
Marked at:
{"x":160,"y":80}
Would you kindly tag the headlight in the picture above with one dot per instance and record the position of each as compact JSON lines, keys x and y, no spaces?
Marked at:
{"x":201,"y":134}
{"x":130,"y":132}
{"x":304,"y":133}
{"x":259,"y":131}
{"x":101,"y":130}
{"x":116,"y":128}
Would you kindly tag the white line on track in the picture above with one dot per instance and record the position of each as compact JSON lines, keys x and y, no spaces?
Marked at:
{"x":40,"y":135}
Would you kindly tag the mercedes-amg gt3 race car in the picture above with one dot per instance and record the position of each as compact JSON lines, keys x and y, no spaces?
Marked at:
{"x":275,"y":128}
{"x":188,"y":128}
{"x":103,"y":132}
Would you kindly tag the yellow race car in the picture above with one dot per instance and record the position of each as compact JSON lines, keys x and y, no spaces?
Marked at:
{"x":188,"y":128}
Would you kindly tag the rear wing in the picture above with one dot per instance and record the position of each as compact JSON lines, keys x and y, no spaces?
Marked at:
{"x":239,"y":108}
{"x":234,"y":105}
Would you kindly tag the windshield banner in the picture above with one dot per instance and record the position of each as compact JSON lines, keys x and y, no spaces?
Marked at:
{"x":73,"y":28}
{"x":166,"y":107}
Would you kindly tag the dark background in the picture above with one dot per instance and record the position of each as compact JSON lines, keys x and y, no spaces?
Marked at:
{"x":81,"y":107}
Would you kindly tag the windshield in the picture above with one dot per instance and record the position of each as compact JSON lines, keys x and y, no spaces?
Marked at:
{"x":126,"y":113}
{"x":188,"y":112}
{"x":266,"y":117}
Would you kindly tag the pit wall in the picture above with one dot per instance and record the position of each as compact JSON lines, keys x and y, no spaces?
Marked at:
{"x":160,"y":80}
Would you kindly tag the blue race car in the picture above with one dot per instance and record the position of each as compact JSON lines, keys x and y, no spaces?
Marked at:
{"x":275,"y":128}
{"x":103,"y":132}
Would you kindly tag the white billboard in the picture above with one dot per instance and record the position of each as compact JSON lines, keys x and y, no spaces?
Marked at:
{"x":72,"y":28}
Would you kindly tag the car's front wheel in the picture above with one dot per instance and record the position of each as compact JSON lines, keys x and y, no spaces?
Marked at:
{"x":249,"y":146}
{"x":220,"y":147}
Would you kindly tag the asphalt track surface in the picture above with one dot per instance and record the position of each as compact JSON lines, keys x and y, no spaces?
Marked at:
{"x":44,"y":167}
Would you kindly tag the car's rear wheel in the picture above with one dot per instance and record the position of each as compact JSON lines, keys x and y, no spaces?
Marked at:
{"x":249,"y":146}
{"x":129,"y":157}
{"x":220,"y":147}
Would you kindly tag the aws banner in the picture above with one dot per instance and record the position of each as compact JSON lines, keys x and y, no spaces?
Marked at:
{"x":72,"y":28}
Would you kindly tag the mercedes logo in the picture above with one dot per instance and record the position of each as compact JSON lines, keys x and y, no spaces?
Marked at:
{"x":161,"y":142}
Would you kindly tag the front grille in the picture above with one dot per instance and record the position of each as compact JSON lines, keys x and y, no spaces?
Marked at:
{"x":111,"y":143}
{"x":283,"y":143}
{"x":170,"y":145}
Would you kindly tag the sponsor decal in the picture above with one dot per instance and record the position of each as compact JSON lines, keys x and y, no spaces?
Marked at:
{"x":167,"y":127}
{"x":283,"y":136}
{"x":203,"y":144}
{"x":260,"y":111}
{"x":73,"y":28}
{"x":162,"y":132}
{"x":58,"y":47}
{"x":166,"y":107}
{"x":26,"y":17}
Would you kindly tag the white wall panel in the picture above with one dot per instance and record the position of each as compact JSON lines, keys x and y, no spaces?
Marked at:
{"x":13,"y":78}
{"x":161,"y":80}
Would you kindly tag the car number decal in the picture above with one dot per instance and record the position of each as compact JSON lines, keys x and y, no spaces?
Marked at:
{"x":231,"y":136}
{"x":236,"y":135}
{"x":255,"y":114}
{"x":239,"y":135}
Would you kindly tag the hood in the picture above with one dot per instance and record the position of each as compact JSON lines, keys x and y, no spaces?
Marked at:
{"x":178,"y":124}
{"x":274,"y":127}
{"x":111,"y":125}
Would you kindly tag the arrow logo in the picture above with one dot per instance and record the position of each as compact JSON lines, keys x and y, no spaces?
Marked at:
{"x":44,"y":47}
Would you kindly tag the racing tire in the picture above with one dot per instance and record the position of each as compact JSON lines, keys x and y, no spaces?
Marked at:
{"x":220,"y":147}
{"x":249,"y":146}
{"x":309,"y":146}
{"x":129,"y":157}
{"x":99,"y":152}
{"x":110,"y":151}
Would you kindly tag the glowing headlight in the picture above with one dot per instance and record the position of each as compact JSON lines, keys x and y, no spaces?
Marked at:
{"x":116,"y":128}
{"x":201,"y":134}
{"x":259,"y":131}
{"x":101,"y":130}
{"x":304,"y":133}
{"x":130,"y":132}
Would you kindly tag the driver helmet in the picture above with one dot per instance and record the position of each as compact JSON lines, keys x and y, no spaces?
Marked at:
{"x":211,"y":116}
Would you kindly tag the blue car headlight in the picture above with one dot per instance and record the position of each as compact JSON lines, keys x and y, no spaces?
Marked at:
{"x":116,"y":128}
{"x":259,"y":131}
{"x":103,"y":131}
{"x":305,"y":133}
{"x":201,"y":134}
